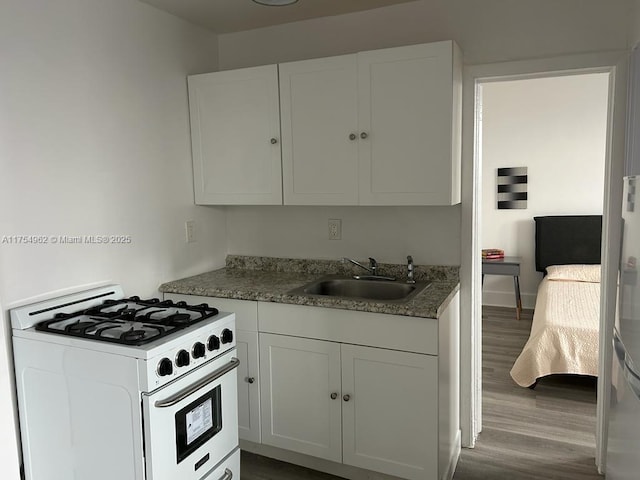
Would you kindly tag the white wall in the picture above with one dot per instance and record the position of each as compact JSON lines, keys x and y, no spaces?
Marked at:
{"x":94,"y":139}
{"x":388,"y":234}
{"x":487,"y":31}
{"x":634,"y":22}
{"x":557,"y":128}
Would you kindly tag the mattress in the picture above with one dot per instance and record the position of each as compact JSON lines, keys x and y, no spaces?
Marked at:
{"x":564,"y":332}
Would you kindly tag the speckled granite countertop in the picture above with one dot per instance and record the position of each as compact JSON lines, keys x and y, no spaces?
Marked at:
{"x":270,"y":279}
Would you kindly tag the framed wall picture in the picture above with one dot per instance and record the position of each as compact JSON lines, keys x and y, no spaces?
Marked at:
{"x":512,"y":188}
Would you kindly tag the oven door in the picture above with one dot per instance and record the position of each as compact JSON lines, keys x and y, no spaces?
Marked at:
{"x":192,"y":424}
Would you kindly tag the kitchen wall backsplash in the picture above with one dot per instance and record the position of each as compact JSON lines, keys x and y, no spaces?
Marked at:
{"x":337,"y":267}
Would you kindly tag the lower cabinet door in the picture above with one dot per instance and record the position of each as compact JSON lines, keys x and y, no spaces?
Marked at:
{"x":300,"y":395}
{"x":248,"y":386}
{"x":390,"y":411}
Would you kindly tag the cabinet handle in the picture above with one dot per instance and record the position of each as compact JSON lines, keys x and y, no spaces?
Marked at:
{"x":250,"y":379}
{"x":334,"y":395}
{"x":364,"y":135}
{"x":352,"y":136}
{"x":346,"y":398}
{"x":274,"y":141}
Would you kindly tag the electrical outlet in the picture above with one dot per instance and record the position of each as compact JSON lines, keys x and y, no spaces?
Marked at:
{"x":335,"y":229}
{"x":190,"y":231}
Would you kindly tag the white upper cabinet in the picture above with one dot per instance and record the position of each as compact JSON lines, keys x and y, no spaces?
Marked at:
{"x":235,"y":137}
{"x":375,"y":128}
{"x":409,"y":117}
{"x":319,"y":102}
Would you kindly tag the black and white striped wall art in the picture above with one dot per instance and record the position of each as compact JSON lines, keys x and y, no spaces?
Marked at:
{"x":512,"y":188}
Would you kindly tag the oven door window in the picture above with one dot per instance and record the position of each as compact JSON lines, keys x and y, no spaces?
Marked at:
{"x":198,"y":422}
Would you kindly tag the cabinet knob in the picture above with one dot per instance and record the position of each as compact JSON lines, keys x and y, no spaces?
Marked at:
{"x":352,"y":136}
{"x":274,"y":141}
{"x":364,"y":135}
{"x":250,"y":379}
{"x":334,"y":395}
{"x":346,"y":398}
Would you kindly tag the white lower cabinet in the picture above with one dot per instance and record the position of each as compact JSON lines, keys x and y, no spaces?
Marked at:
{"x":248,"y":386}
{"x":362,"y":406}
{"x":389,"y":411}
{"x":311,"y":387}
{"x":301,"y":395}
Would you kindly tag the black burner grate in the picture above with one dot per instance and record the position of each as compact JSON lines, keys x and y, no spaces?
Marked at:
{"x":130,"y":321}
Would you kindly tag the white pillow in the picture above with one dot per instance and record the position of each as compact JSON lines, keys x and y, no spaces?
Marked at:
{"x":576,"y":273}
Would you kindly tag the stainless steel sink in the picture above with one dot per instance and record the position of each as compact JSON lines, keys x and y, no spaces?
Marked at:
{"x":377,"y":290}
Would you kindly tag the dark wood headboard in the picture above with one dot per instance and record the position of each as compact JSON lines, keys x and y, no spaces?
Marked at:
{"x":567,"y":240}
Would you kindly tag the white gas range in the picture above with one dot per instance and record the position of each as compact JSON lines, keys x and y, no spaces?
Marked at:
{"x":122,"y":388}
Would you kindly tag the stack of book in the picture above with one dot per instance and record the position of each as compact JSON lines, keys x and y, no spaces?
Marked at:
{"x":492,"y":253}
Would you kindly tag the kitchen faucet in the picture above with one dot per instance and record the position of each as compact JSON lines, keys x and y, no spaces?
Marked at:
{"x":372,"y":268}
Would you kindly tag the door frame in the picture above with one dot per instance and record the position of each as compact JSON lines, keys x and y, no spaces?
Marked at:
{"x":615,"y":63}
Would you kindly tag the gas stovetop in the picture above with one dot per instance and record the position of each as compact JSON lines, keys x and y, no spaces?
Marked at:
{"x":130,"y":321}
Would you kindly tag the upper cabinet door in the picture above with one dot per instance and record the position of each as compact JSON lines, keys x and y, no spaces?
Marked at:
{"x":409,"y":119}
{"x":320,"y":131}
{"x":235,"y":137}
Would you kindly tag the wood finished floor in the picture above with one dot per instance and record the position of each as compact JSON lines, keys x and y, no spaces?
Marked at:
{"x":547,"y":433}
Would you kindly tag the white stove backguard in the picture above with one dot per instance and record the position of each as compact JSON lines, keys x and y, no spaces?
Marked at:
{"x":27,"y":316}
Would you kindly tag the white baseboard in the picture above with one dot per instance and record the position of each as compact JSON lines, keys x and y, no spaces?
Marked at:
{"x":508,"y":299}
{"x":341,"y":470}
{"x":314,"y":463}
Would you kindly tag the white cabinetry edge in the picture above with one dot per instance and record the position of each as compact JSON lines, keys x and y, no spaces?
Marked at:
{"x":394,"y":332}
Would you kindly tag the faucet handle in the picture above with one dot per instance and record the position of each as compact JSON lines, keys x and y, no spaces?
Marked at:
{"x":410,"y":277}
{"x":373,"y":265}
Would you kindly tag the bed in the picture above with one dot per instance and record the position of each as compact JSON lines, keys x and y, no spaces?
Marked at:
{"x":564,"y":331}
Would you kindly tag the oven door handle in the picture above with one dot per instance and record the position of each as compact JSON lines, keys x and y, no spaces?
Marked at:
{"x":213,"y":376}
{"x":228,"y":475}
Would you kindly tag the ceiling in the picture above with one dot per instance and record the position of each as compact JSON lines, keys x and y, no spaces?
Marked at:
{"x":225,"y":16}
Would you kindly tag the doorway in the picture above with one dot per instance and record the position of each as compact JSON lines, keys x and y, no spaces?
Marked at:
{"x":551,"y":130}
{"x":614,"y":64}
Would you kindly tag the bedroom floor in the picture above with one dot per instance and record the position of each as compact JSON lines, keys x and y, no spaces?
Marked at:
{"x":547,"y":433}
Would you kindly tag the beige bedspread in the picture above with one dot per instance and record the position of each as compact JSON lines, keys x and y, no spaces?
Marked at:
{"x":564,"y":333}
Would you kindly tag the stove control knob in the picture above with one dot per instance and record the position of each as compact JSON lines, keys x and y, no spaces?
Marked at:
{"x":182,"y":358}
{"x":227,"y":336}
{"x":213,"y":343}
{"x":165,"y":367}
{"x":198,"y":350}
